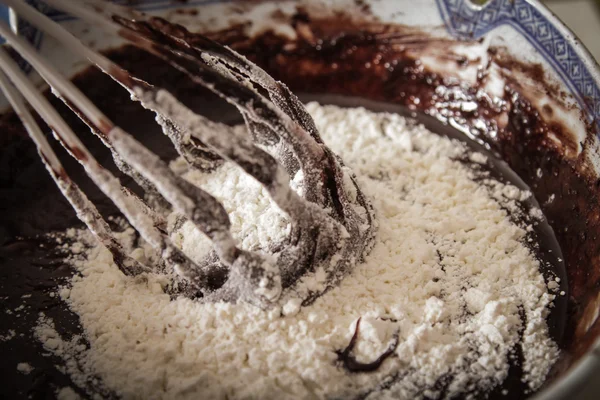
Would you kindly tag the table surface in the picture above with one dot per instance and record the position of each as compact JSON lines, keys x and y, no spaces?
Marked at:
{"x":583,"y":17}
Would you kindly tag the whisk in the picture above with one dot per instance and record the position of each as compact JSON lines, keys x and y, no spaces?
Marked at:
{"x":331,"y":219}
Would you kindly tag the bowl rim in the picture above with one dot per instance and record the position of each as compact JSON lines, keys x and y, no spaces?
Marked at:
{"x":574,"y":380}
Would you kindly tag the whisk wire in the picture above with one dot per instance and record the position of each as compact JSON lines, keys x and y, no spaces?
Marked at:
{"x":84,"y":208}
{"x":327,"y":226}
{"x":126,"y":201}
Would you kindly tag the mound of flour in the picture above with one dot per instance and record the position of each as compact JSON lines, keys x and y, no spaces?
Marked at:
{"x":449,"y":277}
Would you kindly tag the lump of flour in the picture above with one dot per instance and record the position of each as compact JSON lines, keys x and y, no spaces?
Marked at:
{"x":449,"y":284}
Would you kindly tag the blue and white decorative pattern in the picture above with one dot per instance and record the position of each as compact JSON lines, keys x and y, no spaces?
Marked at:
{"x":463,"y":19}
{"x":468,"y":21}
{"x":35,"y":36}
{"x":146,"y":5}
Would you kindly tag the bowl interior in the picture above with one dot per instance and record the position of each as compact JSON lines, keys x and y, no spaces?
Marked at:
{"x":437,"y":59}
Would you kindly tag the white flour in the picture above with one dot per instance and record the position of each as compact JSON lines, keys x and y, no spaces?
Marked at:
{"x":24,"y":368}
{"x":449,"y":276}
{"x":67,"y":393}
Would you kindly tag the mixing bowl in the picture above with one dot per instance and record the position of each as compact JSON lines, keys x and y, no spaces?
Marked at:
{"x":507,"y":74}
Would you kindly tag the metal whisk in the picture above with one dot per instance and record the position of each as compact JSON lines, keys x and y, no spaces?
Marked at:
{"x":331,"y":220}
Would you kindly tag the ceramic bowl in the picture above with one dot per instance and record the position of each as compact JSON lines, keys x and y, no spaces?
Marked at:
{"x":548,"y":64}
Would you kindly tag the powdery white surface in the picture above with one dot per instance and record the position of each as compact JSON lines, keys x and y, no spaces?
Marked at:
{"x":67,"y":393}
{"x":255,"y":221}
{"x":8,"y":336}
{"x":448,"y":274}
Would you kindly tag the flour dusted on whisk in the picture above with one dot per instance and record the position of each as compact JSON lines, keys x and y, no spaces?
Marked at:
{"x":255,"y":221}
{"x":449,"y":286}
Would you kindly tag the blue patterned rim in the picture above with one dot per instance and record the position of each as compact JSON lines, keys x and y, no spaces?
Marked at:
{"x":554,"y":41}
{"x":145,"y":5}
{"x":35,"y":36}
